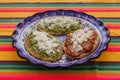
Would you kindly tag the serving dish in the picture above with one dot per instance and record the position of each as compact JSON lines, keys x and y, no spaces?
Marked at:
{"x":27,"y":25}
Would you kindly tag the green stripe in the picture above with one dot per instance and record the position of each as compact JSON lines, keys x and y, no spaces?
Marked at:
{"x":115,"y":40}
{"x":92,"y":66}
{"x":9,"y":40}
{"x":61,"y":71}
{"x":114,"y":20}
{"x":17,"y":20}
{"x":5,"y":40}
{"x":83,"y":68}
{"x":59,"y":5}
{"x":112,"y":42}
{"x":10,"y":20}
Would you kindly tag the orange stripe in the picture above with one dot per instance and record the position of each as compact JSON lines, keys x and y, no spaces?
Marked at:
{"x":25,"y":14}
{"x":45,"y":9}
{"x":105,"y":56}
{"x":6,"y":32}
{"x":108,"y":56}
{"x":114,"y":32}
{"x":10,"y":56}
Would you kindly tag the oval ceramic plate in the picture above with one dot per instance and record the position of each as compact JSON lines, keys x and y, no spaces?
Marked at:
{"x":28,"y":24}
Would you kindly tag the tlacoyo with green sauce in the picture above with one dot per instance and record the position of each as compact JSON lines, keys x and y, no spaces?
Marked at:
{"x":59,"y":24}
{"x":43,"y":46}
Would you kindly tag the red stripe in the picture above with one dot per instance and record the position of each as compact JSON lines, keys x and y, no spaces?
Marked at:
{"x":56,"y":76}
{"x":9,"y":47}
{"x":44,"y":9}
{"x":111,"y":26}
{"x":5,"y":47}
{"x":113,"y":48}
{"x":8,"y":25}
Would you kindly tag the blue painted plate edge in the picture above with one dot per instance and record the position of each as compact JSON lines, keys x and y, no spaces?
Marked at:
{"x":104,"y":32}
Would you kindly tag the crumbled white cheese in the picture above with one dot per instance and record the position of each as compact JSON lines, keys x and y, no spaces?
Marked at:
{"x":80,"y":36}
{"x":45,"y":43}
{"x":61,"y":21}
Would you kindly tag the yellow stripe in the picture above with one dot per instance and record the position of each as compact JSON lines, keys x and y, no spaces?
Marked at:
{"x":10,"y":56}
{"x":109,"y":56}
{"x":15,"y":14}
{"x":113,"y":44}
{"x":59,"y":7}
{"x":105,"y":56}
{"x":9,"y":31}
{"x":25,"y":14}
{"x":50,"y":1}
{"x":6,"y":31}
{"x":114,"y":32}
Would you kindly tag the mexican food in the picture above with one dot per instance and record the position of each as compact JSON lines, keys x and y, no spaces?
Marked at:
{"x":43,"y":46}
{"x":57,"y":25}
{"x":80,"y":43}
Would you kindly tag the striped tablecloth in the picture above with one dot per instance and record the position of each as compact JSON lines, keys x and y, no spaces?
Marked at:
{"x":107,"y":66}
